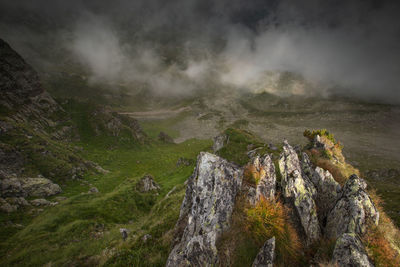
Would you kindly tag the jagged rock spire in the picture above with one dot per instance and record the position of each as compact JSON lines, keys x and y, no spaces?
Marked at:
{"x":206,"y":211}
{"x":300,"y":191}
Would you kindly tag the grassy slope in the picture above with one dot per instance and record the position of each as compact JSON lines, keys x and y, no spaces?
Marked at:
{"x":84,"y":229}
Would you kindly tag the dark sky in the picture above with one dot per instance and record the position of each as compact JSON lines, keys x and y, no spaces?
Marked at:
{"x":350,"y":44}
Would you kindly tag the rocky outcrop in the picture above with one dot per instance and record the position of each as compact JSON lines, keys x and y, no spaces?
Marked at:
{"x":28,"y":187}
{"x":220,"y":141}
{"x":299,"y":191}
{"x":353,"y":211}
{"x":266,"y":255}
{"x":265,"y":185}
{"x":18,"y":81}
{"x":328,"y":192}
{"x":206,"y":211}
{"x":349,"y":251}
{"x":147,"y":184}
{"x":105,"y":121}
{"x":22,"y":97}
{"x":40,"y":187}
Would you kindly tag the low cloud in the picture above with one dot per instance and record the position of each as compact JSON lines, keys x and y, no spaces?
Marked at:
{"x":285,"y":47}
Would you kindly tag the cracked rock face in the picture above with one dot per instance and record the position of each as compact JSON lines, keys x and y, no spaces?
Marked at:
{"x":206,"y":211}
{"x":266,"y":255}
{"x":266,"y":186}
{"x":353,"y":211}
{"x":349,"y":251}
{"x":328,"y":191}
{"x":298,"y":189}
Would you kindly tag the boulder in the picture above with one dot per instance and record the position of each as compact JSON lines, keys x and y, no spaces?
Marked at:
{"x":147,"y":184}
{"x":266,"y":255}
{"x":40,"y":187}
{"x":220,"y":141}
{"x":300,"y":191}
{"x":349,"y":251}
{"x":93,"y":190}
{"x":353,"y":211}
{"x":206,"y":211}
{"x":265,"y":187}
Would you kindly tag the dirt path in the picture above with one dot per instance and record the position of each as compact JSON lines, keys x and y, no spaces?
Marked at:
{"x":156,"y":114}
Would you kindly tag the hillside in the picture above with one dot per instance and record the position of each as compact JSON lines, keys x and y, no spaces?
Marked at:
{"x":97,"y":182}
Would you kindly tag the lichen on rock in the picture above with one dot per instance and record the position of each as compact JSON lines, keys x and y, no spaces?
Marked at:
{"x":353,"y":211}
{"x":300,"y":191}
{"x":262,"y":171}
{"x":349,"y":251}
{"x":328,"y":192}
{"x":206,"y":211}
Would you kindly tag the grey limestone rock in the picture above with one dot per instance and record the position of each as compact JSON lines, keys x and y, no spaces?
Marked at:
{"x":298,"y":189}
{"x":353,"y":211}
{"x":23,"y":187}
{"x":206,"y":211}
{"x":93,"y":190}
{"x":266,"y":185}
{"x":266,"y":255}
{"x":147,"y":184}
{"x":349,"y":251}
{"x":40,"y":187}
{"x":328,"y":192}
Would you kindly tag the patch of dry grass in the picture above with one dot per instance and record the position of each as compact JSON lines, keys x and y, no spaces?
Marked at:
{"x":383,"y":241}
{"x":252,"y":226}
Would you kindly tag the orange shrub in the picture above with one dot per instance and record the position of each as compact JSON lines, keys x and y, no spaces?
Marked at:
{"x":268,"y":219}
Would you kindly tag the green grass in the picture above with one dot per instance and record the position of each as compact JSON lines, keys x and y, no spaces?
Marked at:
{"x":66,"y":234}
{"x":237,"y":147}
{"x":84,"y":229}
